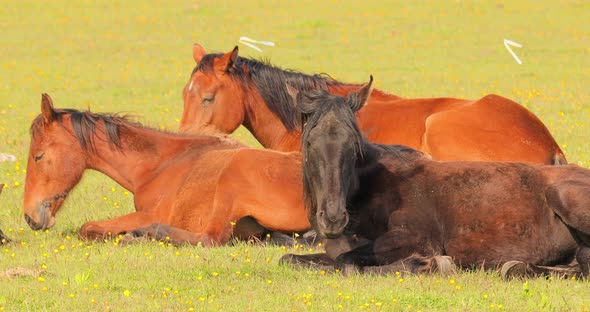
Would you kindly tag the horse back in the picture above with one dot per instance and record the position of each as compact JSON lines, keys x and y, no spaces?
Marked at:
{"x":401,"y":121}
{"x":490,"y":128}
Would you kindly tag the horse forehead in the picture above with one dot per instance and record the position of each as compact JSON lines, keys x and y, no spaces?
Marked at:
{"x":331,"y":128}
{"x":191,"y":83}
{"x":331,"y":121}
{"x":200,"y":80}
{"x":194,"y":81}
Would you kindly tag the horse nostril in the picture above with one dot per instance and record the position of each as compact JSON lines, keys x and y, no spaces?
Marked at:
{"x":31,"y":223}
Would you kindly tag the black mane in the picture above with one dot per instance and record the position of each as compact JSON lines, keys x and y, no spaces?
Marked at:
{"x":270,"y":81}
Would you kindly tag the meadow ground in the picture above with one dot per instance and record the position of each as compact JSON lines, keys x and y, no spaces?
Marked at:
{"x":135,"y":56}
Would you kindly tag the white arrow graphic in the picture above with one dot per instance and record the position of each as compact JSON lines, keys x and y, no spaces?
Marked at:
{"x":252,"y":43}
{"x":507,"y":44}
{"x":7,"y":157}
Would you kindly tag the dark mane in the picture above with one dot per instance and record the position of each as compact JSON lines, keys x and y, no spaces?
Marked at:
{"x":84,"y":125}
{"x":115,"y":125}
{"x":400,"y":152}
{"x":270,"y":81}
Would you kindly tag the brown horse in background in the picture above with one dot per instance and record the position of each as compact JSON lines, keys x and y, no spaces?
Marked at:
{"x":378,"y":205}
{"x":225,"y":90}
{"x":192,"y":189}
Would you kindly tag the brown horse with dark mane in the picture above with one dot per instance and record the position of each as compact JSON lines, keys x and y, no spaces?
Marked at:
{"x":226,"y":91}
{"x":382,"y":207}
{"x":191,"y":189}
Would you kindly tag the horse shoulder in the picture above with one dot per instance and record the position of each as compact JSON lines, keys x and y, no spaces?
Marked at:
{"x":267,"y":186}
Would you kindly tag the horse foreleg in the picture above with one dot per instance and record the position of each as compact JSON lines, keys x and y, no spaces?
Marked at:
{"x":583,"y":257}
{"x":175,"y":236}
{"x":116,"y":226}
{"x":365,"y":260}
{"x":388,"y":248}
{"x":415,"y":264}
{"x":325,"y":261}
{"x":319,"y":261}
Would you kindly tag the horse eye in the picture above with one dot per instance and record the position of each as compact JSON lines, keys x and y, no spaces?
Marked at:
{"x":207,"y":99}
{"x":38,"y":157}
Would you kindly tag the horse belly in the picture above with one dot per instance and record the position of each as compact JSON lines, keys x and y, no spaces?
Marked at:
{"x":482,"y":237}
{"x":491,"y":213}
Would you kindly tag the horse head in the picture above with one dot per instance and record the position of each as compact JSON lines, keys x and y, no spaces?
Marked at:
{"x":212,"y":97}
{"x":55,"y":165}
{"x":331,"y":146}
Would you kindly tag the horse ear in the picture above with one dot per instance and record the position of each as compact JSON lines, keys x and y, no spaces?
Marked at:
{"x":293,"y":93}
{"x":47,"y":108}
{"x":198,"y":52}
{"x":304,"y":102}
{"x":227,"y":61}
{"x":360,"y":97}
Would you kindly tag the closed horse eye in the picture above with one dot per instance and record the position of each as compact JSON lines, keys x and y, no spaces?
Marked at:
{"x":38,"y":157}
{"x":207,"y":99}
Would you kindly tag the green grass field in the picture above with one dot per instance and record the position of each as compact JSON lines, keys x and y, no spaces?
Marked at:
{"x":135,"y":57}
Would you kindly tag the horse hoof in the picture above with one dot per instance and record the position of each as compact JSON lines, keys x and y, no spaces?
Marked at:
{"x":514,"y":269}
{"x":445,"y":265}
{"x":350,"y":269}
{"x":127,"y":239}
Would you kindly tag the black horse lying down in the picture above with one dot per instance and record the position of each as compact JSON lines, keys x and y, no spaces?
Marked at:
{"x":384,"y":208}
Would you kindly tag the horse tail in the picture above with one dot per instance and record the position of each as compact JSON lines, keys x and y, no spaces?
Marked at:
{"x":558,"y":159}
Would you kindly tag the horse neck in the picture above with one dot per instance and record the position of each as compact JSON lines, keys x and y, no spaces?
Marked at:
{"x":141,"y":152}
{"x":267,"y":128}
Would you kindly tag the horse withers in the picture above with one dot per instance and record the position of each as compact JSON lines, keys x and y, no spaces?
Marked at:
{"x":188,"y":189}
{"x":382,"y":207}
{"x":225,"y":91}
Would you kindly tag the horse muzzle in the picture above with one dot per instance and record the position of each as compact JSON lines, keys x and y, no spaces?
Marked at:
{"x":332,"y":226}
{"x":44,"y":221}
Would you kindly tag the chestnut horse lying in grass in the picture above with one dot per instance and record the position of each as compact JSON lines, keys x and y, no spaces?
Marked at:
{"x":188,"y":188}
{"x":378,"y":205}
{"x":225,"y":91}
